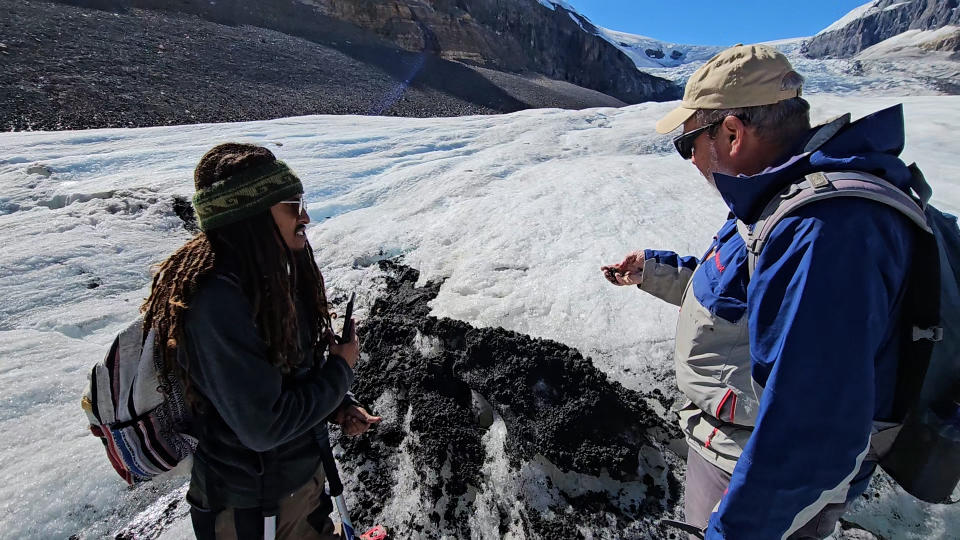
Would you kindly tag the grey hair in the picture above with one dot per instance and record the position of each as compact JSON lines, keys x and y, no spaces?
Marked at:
{"x":780,"y":123}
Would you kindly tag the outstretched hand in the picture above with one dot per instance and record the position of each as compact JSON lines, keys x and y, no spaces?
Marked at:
{"x":354,"y":420}
{"x":627,"y":272}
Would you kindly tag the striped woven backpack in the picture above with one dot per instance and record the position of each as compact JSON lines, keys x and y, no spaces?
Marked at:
{"x":140,"y":419}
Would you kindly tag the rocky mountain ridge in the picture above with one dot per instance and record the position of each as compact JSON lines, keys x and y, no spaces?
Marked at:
{"x":516,"y":36}
{"x":77,"y":64}
{"x":883,"y":19}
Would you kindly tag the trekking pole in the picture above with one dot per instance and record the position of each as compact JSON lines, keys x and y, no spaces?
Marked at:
{"x":269,"y":511}
{"x":336,"y":488}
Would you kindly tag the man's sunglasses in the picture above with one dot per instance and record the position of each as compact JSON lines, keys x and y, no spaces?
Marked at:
{"x":301,"y":204}
{"x":684,"y":142}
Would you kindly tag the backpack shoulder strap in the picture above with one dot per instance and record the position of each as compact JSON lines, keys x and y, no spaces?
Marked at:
{"x":819,"y":186}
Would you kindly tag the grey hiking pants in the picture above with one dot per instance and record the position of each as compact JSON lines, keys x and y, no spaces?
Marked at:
{"x":706,"y":484}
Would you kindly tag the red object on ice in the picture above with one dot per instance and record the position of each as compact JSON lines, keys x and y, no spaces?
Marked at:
{"x":375,"y":533}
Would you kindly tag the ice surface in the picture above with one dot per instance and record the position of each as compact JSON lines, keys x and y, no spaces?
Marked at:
{"x":517,"y":212}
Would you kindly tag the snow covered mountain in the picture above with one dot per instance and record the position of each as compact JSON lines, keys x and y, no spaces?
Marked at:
{"x":879,"y":20}
{"x":646,"y":52}
{"x":908,"y":62}
{"x":902,"y":47}
{"x":918,"y":38}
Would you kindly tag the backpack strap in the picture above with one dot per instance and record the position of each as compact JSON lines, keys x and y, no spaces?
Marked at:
{"x":819,"y":186}
{"x":922,"y":300}
{"x":923,"y":325}
{"x":231,"y":278}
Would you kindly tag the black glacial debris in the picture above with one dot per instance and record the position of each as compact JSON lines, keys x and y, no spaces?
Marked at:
{"x":576,"y":452}
{"x":184,"y":210}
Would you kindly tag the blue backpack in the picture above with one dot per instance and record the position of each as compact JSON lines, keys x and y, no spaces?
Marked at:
{"x":920,"y":450}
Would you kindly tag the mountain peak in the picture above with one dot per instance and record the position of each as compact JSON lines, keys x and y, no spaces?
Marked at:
{"x":877,"y":21}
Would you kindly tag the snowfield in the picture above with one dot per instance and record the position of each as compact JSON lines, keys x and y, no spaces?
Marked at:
{"x":909,"y":44}
{"x":516,"y":211}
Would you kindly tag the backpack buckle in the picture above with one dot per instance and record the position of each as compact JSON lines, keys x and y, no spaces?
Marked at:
{"x":819,"y":181}
{"x":791,"y":191}
{"x":934,"y":333}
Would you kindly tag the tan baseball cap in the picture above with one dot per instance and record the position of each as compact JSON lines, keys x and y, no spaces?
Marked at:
{"x":741,"y":76}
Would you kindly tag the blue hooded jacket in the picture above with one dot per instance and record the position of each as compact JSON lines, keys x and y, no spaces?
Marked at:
{"x":823,"y":312}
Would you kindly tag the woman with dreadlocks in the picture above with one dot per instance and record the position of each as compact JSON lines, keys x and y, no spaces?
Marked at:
{"x":242,"y":319}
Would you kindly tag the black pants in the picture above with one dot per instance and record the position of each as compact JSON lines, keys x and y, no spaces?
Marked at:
{"x":248,"y":522}
{"x":304,"y":515}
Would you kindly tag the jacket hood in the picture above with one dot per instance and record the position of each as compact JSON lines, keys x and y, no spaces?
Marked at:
{"x":872,"y":144}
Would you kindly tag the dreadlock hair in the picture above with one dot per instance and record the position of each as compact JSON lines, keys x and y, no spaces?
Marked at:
{"x":270,"y":274}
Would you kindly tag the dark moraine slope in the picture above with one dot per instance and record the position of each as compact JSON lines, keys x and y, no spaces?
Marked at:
{"x":106,"y":65}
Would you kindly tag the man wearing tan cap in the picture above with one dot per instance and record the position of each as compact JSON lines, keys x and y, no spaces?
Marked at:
{"x":788,"y":354}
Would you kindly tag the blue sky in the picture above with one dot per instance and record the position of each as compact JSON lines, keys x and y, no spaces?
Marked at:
{"x":716,"y":22}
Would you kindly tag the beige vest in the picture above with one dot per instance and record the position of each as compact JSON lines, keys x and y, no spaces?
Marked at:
{"x":712,"y":360}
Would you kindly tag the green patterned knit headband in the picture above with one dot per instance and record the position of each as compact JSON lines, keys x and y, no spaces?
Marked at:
{"x":245,"y":194}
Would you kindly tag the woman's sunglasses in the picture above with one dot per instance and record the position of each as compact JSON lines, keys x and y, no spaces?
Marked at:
{"x":301,"y":204}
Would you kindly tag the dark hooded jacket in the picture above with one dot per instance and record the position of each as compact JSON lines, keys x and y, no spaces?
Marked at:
{"x":259,"y":429}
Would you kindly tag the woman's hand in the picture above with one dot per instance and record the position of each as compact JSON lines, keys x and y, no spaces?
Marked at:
{"x":350,"y":350}
{"x":354,"y":420}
